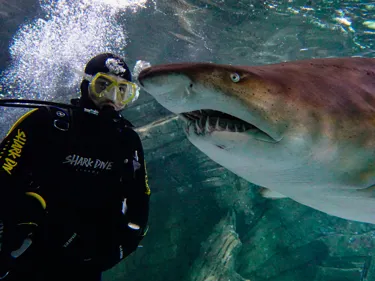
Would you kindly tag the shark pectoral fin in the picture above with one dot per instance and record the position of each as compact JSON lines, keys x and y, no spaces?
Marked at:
{"x":268,"y":193}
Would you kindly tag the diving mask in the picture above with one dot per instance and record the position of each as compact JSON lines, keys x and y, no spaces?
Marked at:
{"x":110,"y":87}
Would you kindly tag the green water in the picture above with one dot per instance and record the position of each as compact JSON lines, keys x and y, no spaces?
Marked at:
{"x":279,"y":240}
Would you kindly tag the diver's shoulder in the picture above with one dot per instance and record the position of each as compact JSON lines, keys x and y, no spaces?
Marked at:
{"x":40,"y":112}
{"x":127,"y":124}
{"x":129,"y":129}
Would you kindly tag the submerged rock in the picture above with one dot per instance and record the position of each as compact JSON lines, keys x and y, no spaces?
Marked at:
{"x":216,"y":261}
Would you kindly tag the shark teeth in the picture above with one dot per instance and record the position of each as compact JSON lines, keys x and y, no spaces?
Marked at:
{"x":208,"y":125}
{"x":208,"y":121}
{"x":197,"y":127}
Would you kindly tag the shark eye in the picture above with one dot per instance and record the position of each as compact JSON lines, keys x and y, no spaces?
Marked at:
{"x":235,"y":77}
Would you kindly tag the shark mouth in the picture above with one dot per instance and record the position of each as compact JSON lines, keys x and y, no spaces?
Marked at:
{"x":208,"y":121}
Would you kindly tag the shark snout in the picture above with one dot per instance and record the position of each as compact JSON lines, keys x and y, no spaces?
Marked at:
{"x":163,"y":83}
{"x":165,"y":78}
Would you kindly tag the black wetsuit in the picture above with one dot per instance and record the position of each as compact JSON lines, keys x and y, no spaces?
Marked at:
{"x":83,"y":164}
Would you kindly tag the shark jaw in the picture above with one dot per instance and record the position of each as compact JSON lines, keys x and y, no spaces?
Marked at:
{"x":232,"y":142}
{"x":207,"y":123}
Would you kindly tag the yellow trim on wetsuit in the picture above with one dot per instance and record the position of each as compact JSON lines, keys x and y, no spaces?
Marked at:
{"x":27,"y":223}
{"x":145,"y":231}
{"x":148,"y":190}
{"x":23,"y":117}
{"x":39,"y":198}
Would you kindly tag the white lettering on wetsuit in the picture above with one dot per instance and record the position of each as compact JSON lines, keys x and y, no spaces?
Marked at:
{"x":76,"y":160}
{"x":70,"y":240}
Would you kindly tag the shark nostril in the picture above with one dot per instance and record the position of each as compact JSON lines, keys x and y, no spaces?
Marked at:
{"x":191,"y":85}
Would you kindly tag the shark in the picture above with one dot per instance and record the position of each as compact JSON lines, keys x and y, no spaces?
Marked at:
{"x":301,"y":129}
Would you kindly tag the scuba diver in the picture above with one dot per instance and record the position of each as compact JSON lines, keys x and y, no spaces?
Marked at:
{"x":74,"y":196}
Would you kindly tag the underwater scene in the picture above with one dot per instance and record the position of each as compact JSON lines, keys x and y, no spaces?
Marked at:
{"x":260,"y":155}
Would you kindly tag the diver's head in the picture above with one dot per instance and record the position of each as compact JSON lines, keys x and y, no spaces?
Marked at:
{"x":107,"y":83}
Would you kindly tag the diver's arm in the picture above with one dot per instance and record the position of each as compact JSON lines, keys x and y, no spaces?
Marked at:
{"x":15,"y":153}
{"x":19,"y":210}
{"x":139,"y":194}
{"x":138,"y":198}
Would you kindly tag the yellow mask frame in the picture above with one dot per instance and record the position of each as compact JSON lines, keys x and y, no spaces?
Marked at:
{"x":102,"y":84}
